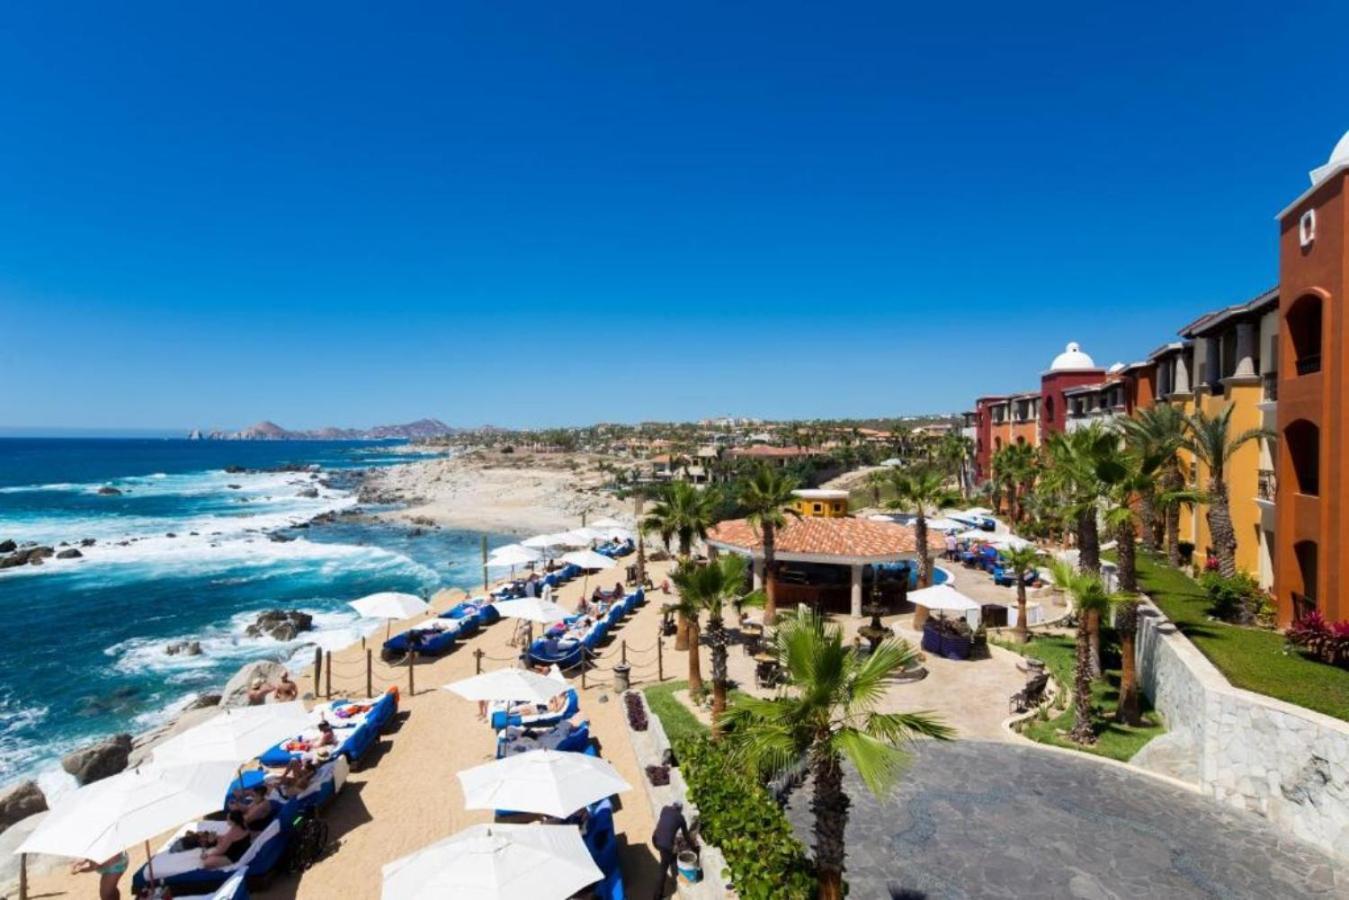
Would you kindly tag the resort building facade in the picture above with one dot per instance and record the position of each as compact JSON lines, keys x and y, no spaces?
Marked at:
{"x":1281,"y":362}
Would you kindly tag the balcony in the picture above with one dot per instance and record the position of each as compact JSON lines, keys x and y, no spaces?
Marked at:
{"x":1266,"y":486}
{"x":1269,"y":387}
{"x":1309,"y":363}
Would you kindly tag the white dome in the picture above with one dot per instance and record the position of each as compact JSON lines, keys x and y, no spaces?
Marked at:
{"x":1116,"y":368}
{"x":1339,"y":158}
{"x":1072,"y":359}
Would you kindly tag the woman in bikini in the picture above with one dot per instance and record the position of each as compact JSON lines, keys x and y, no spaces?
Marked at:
{"x":230,"y":846}
{"x":109,"y":873}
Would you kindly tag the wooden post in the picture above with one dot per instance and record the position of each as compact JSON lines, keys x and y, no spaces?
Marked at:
{"x":318,"y":669}
{"x":412,"y":666}
{"x":583,"y":671}
{"x":23,"y":876}
{"x":660,"y":660}
{"x":623,"y":650}
{"x":477,"y":661}
{"x":328,"y":676}
{"x":369,"y":673}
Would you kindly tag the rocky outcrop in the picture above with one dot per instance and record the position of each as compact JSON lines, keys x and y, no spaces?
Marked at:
{"x":109,"y":491}
{"x":308,"y":493}
{"x":183,"y":648}
{"x":8,"y":546}
{"x":21,"y":801}
{"x":32,"y":556}
{"x":100,"y":760}
{"x":236,"y":691}
{"x":72,"y":553}
{"x":205,"y":701}
{"x":280,"y":624}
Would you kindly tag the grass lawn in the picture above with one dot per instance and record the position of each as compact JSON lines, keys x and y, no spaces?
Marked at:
{"x":675,"y":716}
{"x":1251,"y":658}
{"x":1113,"y":740}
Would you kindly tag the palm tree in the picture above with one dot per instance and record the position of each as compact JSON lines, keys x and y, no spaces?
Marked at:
{"x":876,"y":480}
{"x":827,"y":716}
{"x":1021,"y":561}
{"x":1014,"y":468}
{"x":683,"y":513}
{"x":1159,"y":432}
{"x":1089,"y":597}
{"x":1211,"y":441}
{"x":707,"y":589}
{"x":768,"y":500}
{"x":922,"y":491}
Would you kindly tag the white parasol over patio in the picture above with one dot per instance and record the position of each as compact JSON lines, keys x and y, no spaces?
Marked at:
{"x":589,"y":560}
{"x":549,"y":782}
{"x":511,"y":685}
{"x":532,"y":609}
{"x":235,"y":735}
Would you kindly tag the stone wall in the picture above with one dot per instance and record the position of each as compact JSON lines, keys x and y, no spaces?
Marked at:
{"x":1286,"y":763}
{"x":651,"y":747}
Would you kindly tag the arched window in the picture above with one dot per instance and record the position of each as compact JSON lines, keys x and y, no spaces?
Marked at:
{"x":1303,"y":440}
{"x":1304,"y":328}
{"x":1021,"y":440}
{"x":1049,"y":408}
{"x":997,"y":444}
{"x":1305,"y":600}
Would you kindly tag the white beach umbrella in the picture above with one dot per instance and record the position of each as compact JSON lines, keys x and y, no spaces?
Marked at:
{"x":1010,"y":542}
{"x":533,"y":609}
{"x":944,"y":524}
{"x":589,"y":559}
{"x":102,"y":819}
{"x":974,"y":534}
{"x":235,"y":735}
{"x":390,"y":605}
{"x":514,"y":555}
{"x":514,"y":685}
{"x":577,"y":537}
{"x":608,"y":522}
{"x":548,"y":782}
{"x":943,"y":598}
{"x":495,"y":862}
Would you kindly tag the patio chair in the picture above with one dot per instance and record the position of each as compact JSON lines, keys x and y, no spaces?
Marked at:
{"x":1033,"y":694}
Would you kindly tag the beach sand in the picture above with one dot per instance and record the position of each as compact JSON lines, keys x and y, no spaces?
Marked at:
{"x":406,"y":794}
{"x":517,"y":493}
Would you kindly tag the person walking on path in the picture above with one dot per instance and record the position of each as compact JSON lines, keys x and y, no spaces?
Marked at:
{"x":668,"y":827}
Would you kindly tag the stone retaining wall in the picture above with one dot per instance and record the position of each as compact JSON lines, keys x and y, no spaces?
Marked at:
{"x":650,"y":747}
{"x":1286,"y":763}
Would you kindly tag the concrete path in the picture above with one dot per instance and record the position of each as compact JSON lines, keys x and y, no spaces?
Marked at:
{"x":975,"y":819}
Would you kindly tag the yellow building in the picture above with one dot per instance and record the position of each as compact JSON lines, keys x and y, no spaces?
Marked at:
{"x":821,"y":503}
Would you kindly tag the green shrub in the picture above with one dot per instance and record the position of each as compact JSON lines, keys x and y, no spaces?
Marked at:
{"x":1237,"y":599}
{"x":741,"y":818}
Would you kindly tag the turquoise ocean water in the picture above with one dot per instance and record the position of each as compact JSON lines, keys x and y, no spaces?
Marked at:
{"x":85,"y":638}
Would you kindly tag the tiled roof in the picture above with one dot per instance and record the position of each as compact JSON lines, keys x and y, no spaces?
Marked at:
{"x":846,"y":538}
{"x":765,"y":452}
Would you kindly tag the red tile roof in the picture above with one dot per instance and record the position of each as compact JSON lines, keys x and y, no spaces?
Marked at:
{"x":763,"y":451}
{"x":846,"y":538}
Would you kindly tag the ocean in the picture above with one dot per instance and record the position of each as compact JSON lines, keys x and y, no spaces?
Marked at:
{"x":182,"y":553}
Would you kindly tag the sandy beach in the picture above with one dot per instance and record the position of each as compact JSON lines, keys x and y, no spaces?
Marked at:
{"x":519,"y":493}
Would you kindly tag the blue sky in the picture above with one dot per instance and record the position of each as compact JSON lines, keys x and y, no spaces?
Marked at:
{"x":544,"y":213}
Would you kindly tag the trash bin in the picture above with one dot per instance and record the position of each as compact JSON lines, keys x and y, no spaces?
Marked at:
{"x":689,"y":867}
{"x":621,"y":679}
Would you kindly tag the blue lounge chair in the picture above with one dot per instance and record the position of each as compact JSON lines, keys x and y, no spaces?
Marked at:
{"x":355,"y":736}
{"x":561,"y":736}
{"x":542,"y":720}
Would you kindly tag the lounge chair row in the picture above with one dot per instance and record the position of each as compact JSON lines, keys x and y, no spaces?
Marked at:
{"x":572,"y":646}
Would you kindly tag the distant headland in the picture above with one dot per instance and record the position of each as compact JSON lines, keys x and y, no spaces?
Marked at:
{"x":270,"y":431}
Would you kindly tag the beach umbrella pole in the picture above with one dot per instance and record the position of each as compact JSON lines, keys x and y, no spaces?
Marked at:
{"x":149,"y":866}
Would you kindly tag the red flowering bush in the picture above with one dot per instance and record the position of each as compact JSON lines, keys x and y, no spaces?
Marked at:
{"x":1326,"y":641}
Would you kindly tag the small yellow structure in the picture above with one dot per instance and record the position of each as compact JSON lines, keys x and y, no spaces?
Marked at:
{"x":821,"y":503}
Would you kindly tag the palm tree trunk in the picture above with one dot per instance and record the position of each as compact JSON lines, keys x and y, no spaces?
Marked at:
{"x":1174,"y":481}
{"x":1126,"y":558}
{"x":695,"y":659}
{"x":770,"y":572}
{"x":1082,"y":732}
{"x":1147,"y":514}
{"x":1088,"y":542}
{"x":1220,"y":528}
{"x":1021,"y":632}
{"x":1093,"y":620}
{"x":681,"y":622}
{"x":830,"y":806}
{"x":924,"y":555}
{"x":716,"y":641}
{"x":638,"y":503}
{"x":1126,"y":620}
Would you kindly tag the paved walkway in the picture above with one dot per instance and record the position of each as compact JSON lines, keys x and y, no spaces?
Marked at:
{"x":974,"y":819}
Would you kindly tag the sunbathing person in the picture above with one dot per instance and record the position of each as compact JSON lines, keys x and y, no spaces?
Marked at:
{"x":260,"y":812}
{"x":230,"y":846}
{"x":258,"y":691}
{"x":286,"y":690}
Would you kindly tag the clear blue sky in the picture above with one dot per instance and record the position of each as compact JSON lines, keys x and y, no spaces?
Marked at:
{"x":548,"y":213}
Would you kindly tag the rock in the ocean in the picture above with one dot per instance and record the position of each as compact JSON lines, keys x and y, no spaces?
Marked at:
{"x":108,"y":490}
{"x":100,"y":760}
{"x":183,"y":648}
{"x":8,"y":546}
{"x":236,"y":691}
{"x":280,"y":624}
{"x":21,"y":801}
{"x":308,"y":493}
{"x":235,"y":470}
{"x":88,"y":542}
{"x":72,"y":553}
{"x":277,"y":537}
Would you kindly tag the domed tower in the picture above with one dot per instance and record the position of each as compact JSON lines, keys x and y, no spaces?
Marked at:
{"x":1312,"y":416}
{"x":1071,"y":368}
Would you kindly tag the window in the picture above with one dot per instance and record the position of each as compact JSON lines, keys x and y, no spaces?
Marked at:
{"x":1306,"y":554}
{"x":1304,"y":328}
{"x":1049,"y":409}
{"x":1303,"y":440}
{"x":817,"y":508}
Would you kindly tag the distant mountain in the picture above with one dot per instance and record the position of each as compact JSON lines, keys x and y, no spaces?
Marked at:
{"x":270,"y":431}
